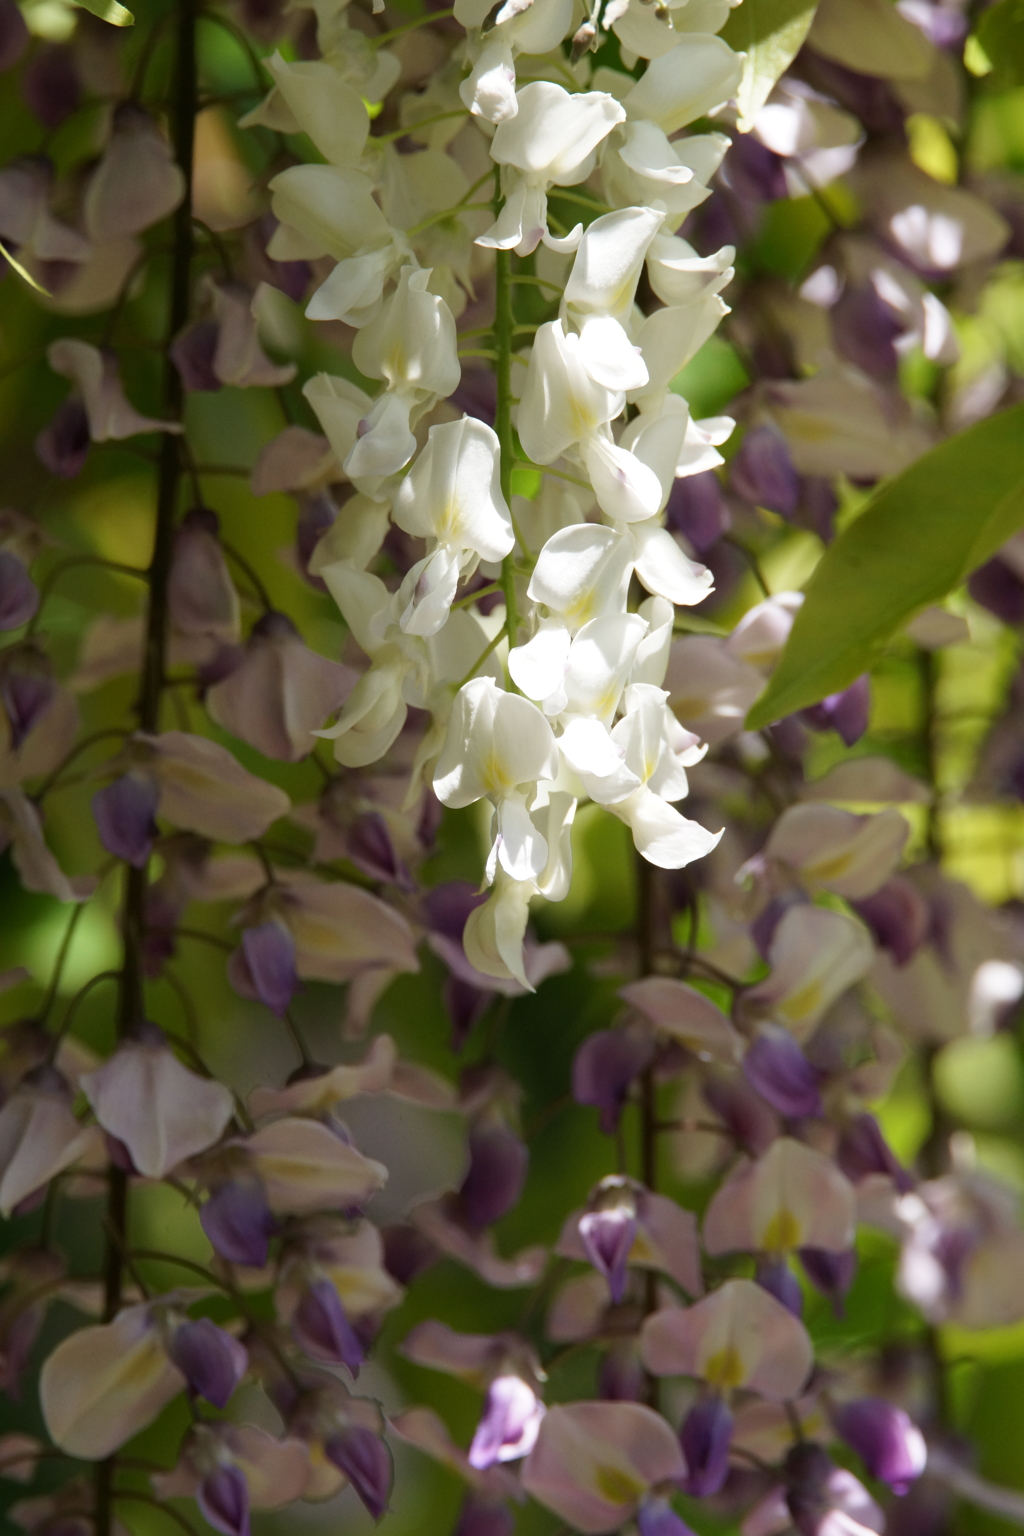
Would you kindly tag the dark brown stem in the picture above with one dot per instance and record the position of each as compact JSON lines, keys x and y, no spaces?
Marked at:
{"x":131,"y":1008}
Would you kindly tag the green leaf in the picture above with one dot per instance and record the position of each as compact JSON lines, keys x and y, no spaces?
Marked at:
{"x":22,"y":273}
{"x":770,"y":33}
{"x":919,"y":537}
{"x":109,"y":11}
{"x":1001,"y":35}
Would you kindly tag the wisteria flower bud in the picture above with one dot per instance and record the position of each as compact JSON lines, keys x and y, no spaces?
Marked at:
{"x":211,"y":1361}
{"x":408,"y":1252}
{"x":509,"y":1425}
{"x":863,"y":1151}
{"x":498,"y":1161}
{"x":62,"y":446}
{"x":19,"y":595}
{"x":268,"y":956}
{"x":608,"y":1233}
{"x":321,"y":1327}
{"x":27,"y":690}
{"x":705,"y":1437}
{"x":484,"y":1517}
{"x":223,"y":1498}
{"x":826,"y":1500}
{"x":747,"y":1117}
{"x":621,"y":1377}
{"x":899,"y":918}
{"x":831,"y":1273}
{"x":201,"y":594}
{"x":885,"y":1438}
{"x":865,"y":329}
{"x":192,"y":352}
{"x":776,"y":1277}
{"x":372,"y":850}
{"x":763,"y":473}
{"x":125,"y":816}
{"x":605,"y":1066}
{"x":366,"y":1461}
{"x":778,"y":1070}
{"x":239,"y":1222}
{"x":847,"y":712}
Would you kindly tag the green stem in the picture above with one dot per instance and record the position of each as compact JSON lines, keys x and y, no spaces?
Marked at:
{"x":504,"y":320}
{"x":410,"y":26}
{"x":54,"y":575}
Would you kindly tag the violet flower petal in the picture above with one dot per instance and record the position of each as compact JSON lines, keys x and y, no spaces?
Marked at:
{"x":211,"y":1361}
{"x":239,"y":1223}
{"x":366,"y":1461}
{"x":705,"y":1438}
{"x":223,"y":1498}
{"x":321,"y":1327}
{"x":124,"y":813}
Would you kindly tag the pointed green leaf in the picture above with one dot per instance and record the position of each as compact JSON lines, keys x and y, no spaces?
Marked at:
{"x":919,"y":537}
{"x":109,"y":11}
{"x":770,"y":33}
{"x":22,"y":273}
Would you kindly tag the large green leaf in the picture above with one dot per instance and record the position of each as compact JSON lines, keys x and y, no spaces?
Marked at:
{"x":1001,"y":35}
{"x":919,"y":537}
{"x":771,"y":33}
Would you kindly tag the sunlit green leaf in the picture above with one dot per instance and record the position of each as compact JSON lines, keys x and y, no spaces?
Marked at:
{"x":919,"y":537}
{"x":109,"y":11}
{"x":22,"y":273}
{"x":770,"y":33}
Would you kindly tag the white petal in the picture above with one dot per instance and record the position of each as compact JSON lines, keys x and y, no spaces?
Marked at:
{"x":538,"y":667}
{"x":697,"y":76}
{"x":608,"y":264}
{"x":625,"y":487}
{"x":522,"y":850}
{"x":609,"y":356}
{"x":424,"y":600}
{"x":453,"y":492}
{"x":583,"y":571}
{"x":665,"y":570}
{"x":102,"y":1385}
{"x":660,"y":834}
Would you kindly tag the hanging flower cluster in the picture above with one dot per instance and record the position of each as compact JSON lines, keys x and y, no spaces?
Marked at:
{"x":475,"y":262}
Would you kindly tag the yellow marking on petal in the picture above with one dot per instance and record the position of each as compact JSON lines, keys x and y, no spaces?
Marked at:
{"x":617,"y":1486}
{"x":643,"y":1250}
{"x":725,"y":1369}
{"x":829,"y":869}
{"x":803,"y":1003}
{"x":492,"y":771}
{"x":782,"y":1233}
